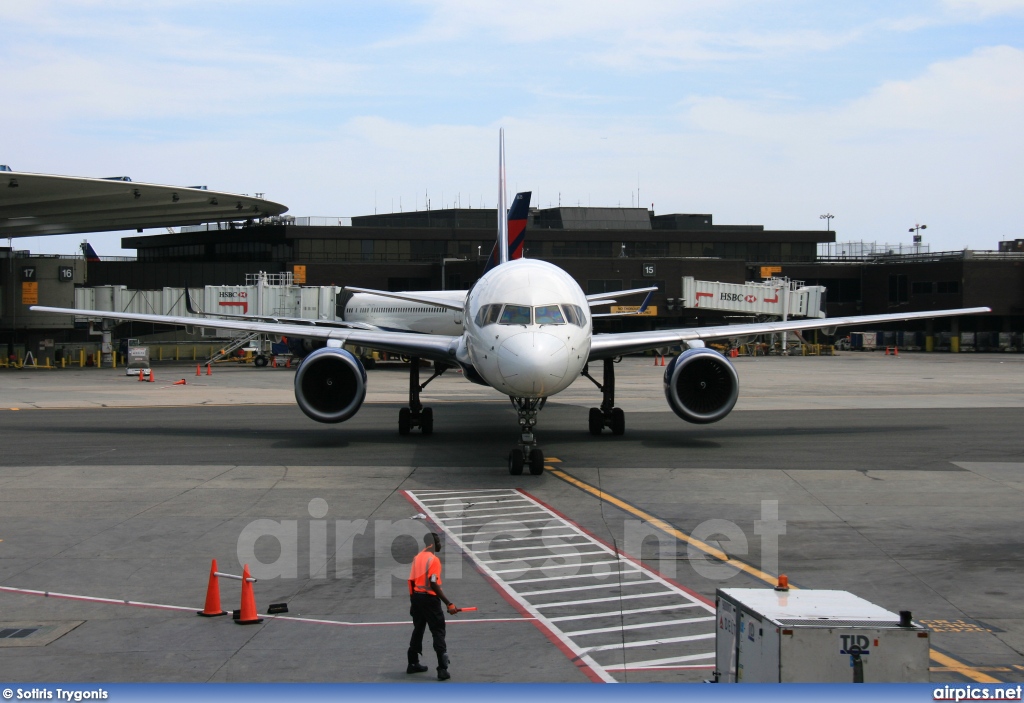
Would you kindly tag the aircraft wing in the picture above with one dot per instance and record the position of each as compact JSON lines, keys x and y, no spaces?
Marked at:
{"x":608,"y":345}
{"x":428,"y":346}
{"x":436,"y":299}
{"x":604,"y":298}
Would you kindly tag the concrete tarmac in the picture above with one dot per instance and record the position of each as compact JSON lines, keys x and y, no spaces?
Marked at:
{"x":899,"y":479}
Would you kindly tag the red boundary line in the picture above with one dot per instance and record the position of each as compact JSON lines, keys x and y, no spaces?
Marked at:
{"x":615,"y":549}
{"x":585,"y":668}
{"x":160,"y":606}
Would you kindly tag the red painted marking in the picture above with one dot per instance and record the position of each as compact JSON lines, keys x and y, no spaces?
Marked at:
{"x":244,"y":306}
{"x":552,"y":637}
{"x":162,"y":606}
{"x":702,"y":295}
{"x":775,"y":299}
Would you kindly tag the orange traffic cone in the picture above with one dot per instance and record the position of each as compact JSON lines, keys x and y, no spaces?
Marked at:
{"x":152,"y":376}
{"x":198,"y":373}
{"x":288,"y":363}
{"x":247,"y":614}
{"x":273,"y":362}
{"x":140,"y":375}
{"x":212,"y":608}
{"x":180,"y":383}
{"x":208,"y":372}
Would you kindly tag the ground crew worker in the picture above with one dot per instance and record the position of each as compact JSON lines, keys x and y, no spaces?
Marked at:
{"x":426,"y":596}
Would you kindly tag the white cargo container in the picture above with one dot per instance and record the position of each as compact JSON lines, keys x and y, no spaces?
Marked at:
{"x":808,"y":636}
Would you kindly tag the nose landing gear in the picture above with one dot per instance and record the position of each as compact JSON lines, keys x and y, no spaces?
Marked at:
{"x":526,"y":453}
{"x":607,"y":415}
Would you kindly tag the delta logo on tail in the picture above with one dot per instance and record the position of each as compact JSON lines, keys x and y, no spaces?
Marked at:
{"x":89,"y":253}
{"x":517,"y":217}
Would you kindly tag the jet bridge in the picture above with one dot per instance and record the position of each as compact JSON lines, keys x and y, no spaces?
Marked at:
{"x":775,"y":297}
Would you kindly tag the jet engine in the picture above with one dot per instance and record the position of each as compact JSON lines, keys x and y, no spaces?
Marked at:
{"x":330,"y":385}
{"x":701,"y":386}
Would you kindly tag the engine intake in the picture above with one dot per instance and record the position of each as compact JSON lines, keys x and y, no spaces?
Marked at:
{"x":330,"y":385}
{"x":701,"y":386}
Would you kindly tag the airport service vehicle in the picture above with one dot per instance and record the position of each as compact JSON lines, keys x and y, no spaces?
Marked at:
{"x":528,"y":334}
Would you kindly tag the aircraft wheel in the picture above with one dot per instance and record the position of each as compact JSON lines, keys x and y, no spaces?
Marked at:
{"x":260,"y":361}
{"x":516,"y":461}
{"x":404,"y":421}
{"x":427,"y":421}
{"x":596,"y":421}
{"x":536,"y":461}
{"x":618,"y":421}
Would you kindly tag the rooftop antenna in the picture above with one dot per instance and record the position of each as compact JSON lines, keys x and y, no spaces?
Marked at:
{"x":502,"y":209}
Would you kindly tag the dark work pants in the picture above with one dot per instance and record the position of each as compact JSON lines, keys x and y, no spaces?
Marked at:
{"x":426,"y":611}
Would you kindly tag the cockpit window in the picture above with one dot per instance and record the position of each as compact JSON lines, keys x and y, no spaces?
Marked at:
{"x":548,"y":315}
{"x":488,"y":315}
{"x":515,"y":315}
{"x":575,"y":314}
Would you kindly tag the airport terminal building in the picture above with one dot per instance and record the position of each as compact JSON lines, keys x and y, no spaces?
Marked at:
{"x":605,"y":249}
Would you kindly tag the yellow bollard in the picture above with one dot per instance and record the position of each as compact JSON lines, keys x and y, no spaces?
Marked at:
{"x":193,"y":353}
{"x":63,"y":362}
{"x":159,"y":353}
{"x":177,"y":348}
{"x":115,"y":361}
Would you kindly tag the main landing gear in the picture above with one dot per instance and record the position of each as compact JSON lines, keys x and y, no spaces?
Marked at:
{"x":416,"y":415}
{"x":526,"y":453}
{"x":607,"y":415}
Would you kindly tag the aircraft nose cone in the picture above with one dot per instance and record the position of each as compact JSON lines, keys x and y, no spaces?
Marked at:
{"x":533,"y":363}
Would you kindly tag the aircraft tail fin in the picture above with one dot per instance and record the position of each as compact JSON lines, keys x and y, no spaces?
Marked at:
{"x":516,"y":230}
{"x":89,"y":253}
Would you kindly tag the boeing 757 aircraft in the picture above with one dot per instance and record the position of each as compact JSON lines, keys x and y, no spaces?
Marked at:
{"x":527,"y":333}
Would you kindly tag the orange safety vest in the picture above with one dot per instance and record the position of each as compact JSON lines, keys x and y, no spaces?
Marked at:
{"x":426,"y":567}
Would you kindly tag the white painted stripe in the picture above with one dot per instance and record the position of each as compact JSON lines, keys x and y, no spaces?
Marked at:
{"x":651,"y":643}
{"x":531,"y":594}
{"x":564,"y":545}
{"x":527,"y":539}
{"x":518,"y":511}
{"x":552,"y":556}
{"x":576,"y":576}
{"x":617,"y":613}
{"x":464,"y":523}
{"x":470,"y":493}
{"x":641,"y":626}
{"x":563,"y":567}
{"x":527,"y":507}
{"x":603,"y":600}
{"x":660,"y":662}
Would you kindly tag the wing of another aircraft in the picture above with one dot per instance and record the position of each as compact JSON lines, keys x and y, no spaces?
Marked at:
{"x":435,"y":298}
{"x":605,"y":298}
{"x":428,"y":346}
{"x":604,"y":346}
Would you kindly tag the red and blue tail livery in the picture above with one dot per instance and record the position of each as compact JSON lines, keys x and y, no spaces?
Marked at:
{"x":517,"y":217}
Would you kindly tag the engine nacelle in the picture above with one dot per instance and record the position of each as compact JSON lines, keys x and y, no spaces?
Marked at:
{"x":330,"y":385}
{"x":701,"y":386}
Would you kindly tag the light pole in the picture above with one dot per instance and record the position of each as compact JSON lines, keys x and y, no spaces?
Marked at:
{"x":916,"y":229}
{"x":828,"y":220}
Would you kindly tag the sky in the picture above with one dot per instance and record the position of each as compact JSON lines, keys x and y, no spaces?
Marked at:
{"x":770,"y":112}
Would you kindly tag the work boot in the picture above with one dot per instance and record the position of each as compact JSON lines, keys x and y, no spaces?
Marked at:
{"x":443,"y":675}
{"x":442,"y":668}
{"x":414,"y":664}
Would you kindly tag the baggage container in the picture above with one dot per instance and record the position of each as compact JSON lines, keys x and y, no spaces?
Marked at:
{"x":812,"y":636}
